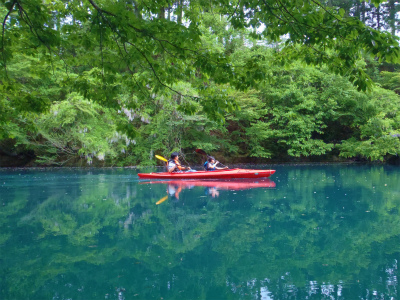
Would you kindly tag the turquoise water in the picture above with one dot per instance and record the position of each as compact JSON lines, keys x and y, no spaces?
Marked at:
{"x":310,"y":232}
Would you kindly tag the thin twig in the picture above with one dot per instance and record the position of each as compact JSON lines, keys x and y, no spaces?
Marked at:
{"x":144,"y":32}
{"x":138,"y":50}
{"x":155,"y":73}
{"x":3,"y":37}
{"x":101,"y":51}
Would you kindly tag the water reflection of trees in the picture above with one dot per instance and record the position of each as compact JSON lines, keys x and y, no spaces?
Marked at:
{"x":284,"y":288}
{"x":321,"y":233}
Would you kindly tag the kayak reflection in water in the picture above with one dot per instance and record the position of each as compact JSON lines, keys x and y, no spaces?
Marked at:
{"x":212,"y":191}
{"x":174,"y":165}
{"x":174,"y":190}
{"x":212,"y":187}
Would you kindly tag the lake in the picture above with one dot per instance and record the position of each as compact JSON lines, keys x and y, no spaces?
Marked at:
{"x":307,"y":232}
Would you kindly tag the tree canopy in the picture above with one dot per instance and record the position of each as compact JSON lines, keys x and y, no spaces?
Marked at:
{"x":101,"y":48}
{"x":132,"y":60}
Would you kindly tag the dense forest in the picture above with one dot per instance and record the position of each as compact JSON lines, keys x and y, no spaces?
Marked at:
{"x":112,"y":83}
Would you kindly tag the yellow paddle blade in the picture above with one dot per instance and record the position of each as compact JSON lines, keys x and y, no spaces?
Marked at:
{"x":162,"y":200}
{"x":161,"y":158}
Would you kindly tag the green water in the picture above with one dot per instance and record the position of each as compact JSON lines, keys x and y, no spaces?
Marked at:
{"x":311,"y":232}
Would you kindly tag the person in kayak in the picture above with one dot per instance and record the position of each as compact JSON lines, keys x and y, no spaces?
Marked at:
{"x":175,"y":166}
{"x":211,"y":164}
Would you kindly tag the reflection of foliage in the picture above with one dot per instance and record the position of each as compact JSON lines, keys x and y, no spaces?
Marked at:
{"x":103,"y":234}
{"x":7,"y":211}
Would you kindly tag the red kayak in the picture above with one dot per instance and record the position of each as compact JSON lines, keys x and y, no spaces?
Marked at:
{"x":237,"y":184}
{"x":219,"y":174}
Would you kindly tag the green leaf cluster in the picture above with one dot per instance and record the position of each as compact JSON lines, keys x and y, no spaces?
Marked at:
{"x":117,"y":82}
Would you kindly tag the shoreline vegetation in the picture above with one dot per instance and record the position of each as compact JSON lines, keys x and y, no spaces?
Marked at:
{"x":19,"y":163}
{"x":114,"y":83}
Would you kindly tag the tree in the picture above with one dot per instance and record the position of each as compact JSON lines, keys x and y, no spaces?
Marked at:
{"x":152,"y":53}
{"x":126,"y":56}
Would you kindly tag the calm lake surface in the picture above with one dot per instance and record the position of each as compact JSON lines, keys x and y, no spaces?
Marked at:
{"x":309,"y":232}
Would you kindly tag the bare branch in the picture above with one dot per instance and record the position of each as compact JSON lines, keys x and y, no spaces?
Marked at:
{"x":3,"y":37}
{"x":101,"y":11}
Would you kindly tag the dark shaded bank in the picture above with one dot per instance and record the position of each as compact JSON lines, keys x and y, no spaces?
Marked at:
{"x":11,"y":160}
{"x":27,"y":159}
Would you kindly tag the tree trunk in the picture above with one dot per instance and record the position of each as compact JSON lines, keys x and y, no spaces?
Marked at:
{"x":161,"y":14}
{"x":179,"y":10}
{"x":392,"y":16}
{"x":136,"y":9}
{"x":363,"y":12}
{"x":378,"y":17}
{"x":357,"y":10}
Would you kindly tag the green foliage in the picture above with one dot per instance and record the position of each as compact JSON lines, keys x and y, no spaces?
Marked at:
{"x":169,"y":127}
{"x":103,"y":47}
{"x":77,"y":126}
{"x":115,"y":82}
{"x":308,"y":112}
{"x":379,"y":133}
{"x":391,"y":81}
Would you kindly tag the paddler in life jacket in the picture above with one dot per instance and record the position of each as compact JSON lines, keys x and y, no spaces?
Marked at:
{"x":211,"y":164}
{"x":175,"y":166}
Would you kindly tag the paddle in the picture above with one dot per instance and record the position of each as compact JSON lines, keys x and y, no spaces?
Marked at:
{"x":161,"y":158}
{"x":162,"y":200}
{"x":202,"y":152}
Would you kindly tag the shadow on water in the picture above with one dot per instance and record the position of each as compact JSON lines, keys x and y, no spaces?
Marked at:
{"x":308,"y":232}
